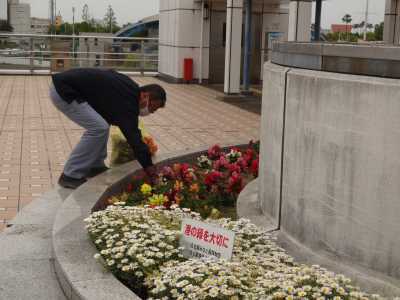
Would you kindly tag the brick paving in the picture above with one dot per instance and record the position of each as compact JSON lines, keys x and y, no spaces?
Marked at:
{"x":35,"y":139}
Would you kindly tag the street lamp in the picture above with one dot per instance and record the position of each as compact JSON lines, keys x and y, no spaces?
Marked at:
{"x":317,"y":22}
{"x":366,"y":20}
{"x":73,"y":32}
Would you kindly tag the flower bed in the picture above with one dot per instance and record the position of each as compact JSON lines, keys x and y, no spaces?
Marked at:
{"x":140,"y":245}
{"x":137,"y":236}
{"x":210,"y":186}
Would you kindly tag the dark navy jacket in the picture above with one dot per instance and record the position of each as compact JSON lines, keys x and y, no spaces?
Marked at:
{"x":111,"y":94}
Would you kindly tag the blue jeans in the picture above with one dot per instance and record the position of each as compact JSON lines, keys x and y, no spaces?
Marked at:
{"x":91,"y":151}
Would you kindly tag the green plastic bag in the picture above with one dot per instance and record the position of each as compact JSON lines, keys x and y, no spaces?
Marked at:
{"x":121,"y":151}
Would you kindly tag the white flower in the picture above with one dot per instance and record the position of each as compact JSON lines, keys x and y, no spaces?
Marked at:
{"x":144,"y":243}
{"x":110,"y":262}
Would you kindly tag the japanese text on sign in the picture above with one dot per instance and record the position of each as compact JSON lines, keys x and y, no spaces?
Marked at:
{"x":201,"y":239}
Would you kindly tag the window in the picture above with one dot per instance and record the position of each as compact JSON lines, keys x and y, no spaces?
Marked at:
{"x":97,"y":60}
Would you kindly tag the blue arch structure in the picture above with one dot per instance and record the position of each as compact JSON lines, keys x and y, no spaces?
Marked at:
{"x":147,"y":27}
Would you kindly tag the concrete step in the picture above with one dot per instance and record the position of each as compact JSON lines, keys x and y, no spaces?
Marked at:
{"x":26,"y":258}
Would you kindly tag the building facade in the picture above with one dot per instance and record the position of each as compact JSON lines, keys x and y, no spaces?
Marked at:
{"x":40,"y":25}
{"x":213,"y":34}
{"x":92,"y":50}
{"x":58,"y":21}
{"x":3,"y":10}
{"x":342,"y":28}
{"x":19,"y":16}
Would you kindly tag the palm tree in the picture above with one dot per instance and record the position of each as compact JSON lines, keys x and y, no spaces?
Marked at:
{"x":347,"y":19}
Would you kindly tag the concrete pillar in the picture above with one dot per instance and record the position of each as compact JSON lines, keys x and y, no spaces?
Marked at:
{"x":392,"y":22}
{"x":233,"y":50}
{"x":247,"y":46}
{"x":179,"y":38}
{"x":300,"y":20}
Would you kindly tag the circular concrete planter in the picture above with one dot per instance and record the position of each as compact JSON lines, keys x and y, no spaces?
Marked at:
{"x":248,"y":206}
{"x":369,"y":59}
{"x":79,"y":274}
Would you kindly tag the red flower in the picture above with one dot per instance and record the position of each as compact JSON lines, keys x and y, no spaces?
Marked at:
{"x":167,"y":204}
{"x":138,"y":177}
{"x":254,"y":167}
{"x":168,"y":173}
{"x":184,"y":168}
{"x":222,"y":162}
{"x":235,"y":183}
{"x":212,"y":178}
{"x":236,"y":149}
{"x":234,"y":168}
{"x":129,"y":188}
{"x":243,"y":162}
{"x":214,"y":152}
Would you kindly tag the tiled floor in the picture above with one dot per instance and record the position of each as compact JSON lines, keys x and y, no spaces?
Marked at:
{"x":35,"y":139}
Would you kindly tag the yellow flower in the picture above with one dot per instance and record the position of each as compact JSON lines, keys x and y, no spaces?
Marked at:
{"x":301,"y":294}
{"x":146,"y":189}
{"x":158,"y":200}
{"x":178,"y":185}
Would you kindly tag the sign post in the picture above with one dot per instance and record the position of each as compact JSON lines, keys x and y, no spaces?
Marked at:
{"x":204,"y":240}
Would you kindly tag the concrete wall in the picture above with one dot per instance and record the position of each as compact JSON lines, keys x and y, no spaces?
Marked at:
{"x":271,"y":140}
{"x":274,"y":28}
{"x":180,"y":38}
{"x":341,"y":165}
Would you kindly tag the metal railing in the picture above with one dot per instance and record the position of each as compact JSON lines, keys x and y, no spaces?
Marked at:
{"x":55,"y":53}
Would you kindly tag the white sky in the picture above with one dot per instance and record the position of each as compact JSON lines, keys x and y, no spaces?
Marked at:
{"x":334,"y":10}
{"x":125,"y":10}
{"x":134,"y":10}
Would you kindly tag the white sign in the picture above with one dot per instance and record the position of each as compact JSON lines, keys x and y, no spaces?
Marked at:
{"x":201,"y":239}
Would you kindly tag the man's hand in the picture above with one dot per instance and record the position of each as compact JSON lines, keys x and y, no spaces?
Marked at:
{"x":151,"y":173}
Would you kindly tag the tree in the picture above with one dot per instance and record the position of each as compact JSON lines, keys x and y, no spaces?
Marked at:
{"x":379,"y":32}
{"x":85,"y":14}
{"x":5,"y":26}
{"x":347,"y":19}
{"x":126,"y":25}
{"x":109,"y":19}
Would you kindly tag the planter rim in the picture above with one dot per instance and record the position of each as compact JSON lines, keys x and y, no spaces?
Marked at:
{"x":79,"y":274}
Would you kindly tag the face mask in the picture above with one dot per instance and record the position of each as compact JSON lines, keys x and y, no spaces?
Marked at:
{"x":144,"y":111}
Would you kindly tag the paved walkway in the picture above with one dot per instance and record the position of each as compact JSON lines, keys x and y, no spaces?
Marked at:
{"x":36,"y":139}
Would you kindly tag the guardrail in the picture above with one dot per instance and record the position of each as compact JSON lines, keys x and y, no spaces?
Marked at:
{"x":45,"y":53}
